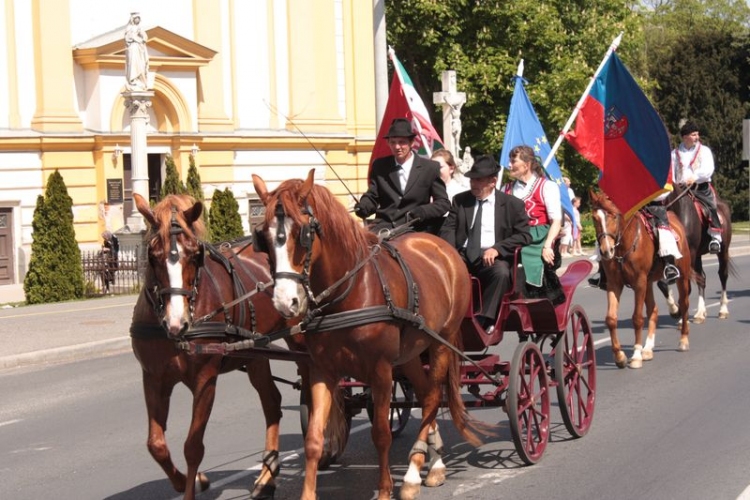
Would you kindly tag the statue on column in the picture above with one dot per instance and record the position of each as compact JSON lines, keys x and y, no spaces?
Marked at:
{"x":136,"y":55}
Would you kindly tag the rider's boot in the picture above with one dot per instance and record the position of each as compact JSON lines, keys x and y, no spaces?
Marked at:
{"x":714,"y":246}
{"x":599,"y":280}
{"x":671,"y":273}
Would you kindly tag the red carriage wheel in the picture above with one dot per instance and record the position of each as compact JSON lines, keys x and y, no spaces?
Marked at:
{"x":528,"y":402}
{"x":575,"y":373}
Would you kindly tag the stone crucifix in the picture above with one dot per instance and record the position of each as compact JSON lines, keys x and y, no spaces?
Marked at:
{"x":451,"y":101}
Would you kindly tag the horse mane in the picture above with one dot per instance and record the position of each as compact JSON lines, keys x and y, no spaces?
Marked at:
{"x":602,"y":201}
{"x":330,"y":213}
{"x":159,"y":235}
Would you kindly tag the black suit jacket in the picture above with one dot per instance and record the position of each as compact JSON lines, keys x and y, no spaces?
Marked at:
{"x":511,"y":223}
{"x":424,"y":197}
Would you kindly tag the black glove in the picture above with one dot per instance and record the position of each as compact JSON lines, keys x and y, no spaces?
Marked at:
{"x":415,"y":215}
{"x":360,"y":212}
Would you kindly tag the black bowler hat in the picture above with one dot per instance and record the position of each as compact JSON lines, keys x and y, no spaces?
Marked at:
{"x":400,"y":127}
{"x":484,"y":166}
{"x":689,"y":128}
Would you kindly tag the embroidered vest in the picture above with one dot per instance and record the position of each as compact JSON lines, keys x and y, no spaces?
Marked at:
{"x":534,"y":202}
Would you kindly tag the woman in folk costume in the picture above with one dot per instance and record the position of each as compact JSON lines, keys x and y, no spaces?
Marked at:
{"x":541,"y":198}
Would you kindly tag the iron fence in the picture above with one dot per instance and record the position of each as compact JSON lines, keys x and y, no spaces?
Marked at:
{"x":121,"y":274}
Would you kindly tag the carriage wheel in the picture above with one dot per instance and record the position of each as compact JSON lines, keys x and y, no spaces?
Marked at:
{"x":528,"y":402}
{"x":575,"y":373}
{"x":402,"y":394}
{"x":304,"y":421}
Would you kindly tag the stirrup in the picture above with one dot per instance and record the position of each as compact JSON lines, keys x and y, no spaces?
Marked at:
{"x":714,"y":246}
{"x":671,"y":273}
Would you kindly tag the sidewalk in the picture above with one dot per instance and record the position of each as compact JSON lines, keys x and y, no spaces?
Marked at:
{"x":60,"y":332}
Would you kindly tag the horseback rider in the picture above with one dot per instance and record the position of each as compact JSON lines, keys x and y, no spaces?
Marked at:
{"x":667,"y":242}
{"x":693,"y":164}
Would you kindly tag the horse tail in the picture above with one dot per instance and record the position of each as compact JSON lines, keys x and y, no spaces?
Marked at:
{"x":467,"y":426}
{"x":337,"y":430}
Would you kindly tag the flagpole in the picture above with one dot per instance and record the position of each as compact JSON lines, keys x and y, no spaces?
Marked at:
{"x":556,"y":146}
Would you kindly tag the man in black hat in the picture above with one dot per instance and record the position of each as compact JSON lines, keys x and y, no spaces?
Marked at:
{"x":404,"y":186}
{"x":693,"y":164}
{"x":487,"y":226}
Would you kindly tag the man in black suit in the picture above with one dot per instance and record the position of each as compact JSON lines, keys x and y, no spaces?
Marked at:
{"x":487,"y":226}
{"x":404,"y":186}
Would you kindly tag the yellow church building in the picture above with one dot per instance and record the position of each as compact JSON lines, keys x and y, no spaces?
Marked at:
{"x":267,"y":87}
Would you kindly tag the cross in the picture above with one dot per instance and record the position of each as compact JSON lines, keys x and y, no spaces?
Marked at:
{"x":452,"y":102}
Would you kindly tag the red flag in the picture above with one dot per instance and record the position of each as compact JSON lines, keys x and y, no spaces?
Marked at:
{"x":404,"y":102}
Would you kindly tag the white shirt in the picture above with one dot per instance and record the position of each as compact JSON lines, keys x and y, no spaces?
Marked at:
{"x":406,"y":170}
{"x":487,"y":238}
{"x":696,"y":163}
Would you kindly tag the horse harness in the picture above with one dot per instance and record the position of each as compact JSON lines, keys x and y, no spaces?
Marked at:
{"x":203,"y":327}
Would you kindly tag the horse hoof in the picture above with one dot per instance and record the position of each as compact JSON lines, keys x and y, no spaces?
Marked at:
{"x":699,"y":321}
{"x":647,"y":355}
{"x":636,"y":363}
{"x":201,"y":482}
{"x":325,"y":461}
{"x":723,"y":315}
{"x":409,"y":491}
{"x":621,"y":360}
{"x":684,"y":347}
{"x":436,"y":477}
{"x":264,"y":491}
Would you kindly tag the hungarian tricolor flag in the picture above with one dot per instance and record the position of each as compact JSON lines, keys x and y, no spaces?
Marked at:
{"x":404,"y":102}
{"x":619,"y":131}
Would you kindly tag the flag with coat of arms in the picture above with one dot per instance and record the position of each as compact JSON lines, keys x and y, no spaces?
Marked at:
{"x":618,"y":130}
{"x":404,"y":102}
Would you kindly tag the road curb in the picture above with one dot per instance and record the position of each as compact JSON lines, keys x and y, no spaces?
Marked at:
{"x":67,"y":353}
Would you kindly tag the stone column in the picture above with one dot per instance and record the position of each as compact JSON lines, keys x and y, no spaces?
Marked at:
{"x":138,"y":102}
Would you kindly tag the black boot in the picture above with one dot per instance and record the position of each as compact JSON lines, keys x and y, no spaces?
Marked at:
{"x":671,"y":273}
{"x":599,"y":280}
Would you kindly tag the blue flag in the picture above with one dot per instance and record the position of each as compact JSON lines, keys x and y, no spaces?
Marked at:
{"x":524,"y":129}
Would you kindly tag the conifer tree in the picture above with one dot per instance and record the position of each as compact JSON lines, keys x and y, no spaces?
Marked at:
{"x":172,"y":183}
{"x":195,"y":189}
{"x":224,"y":215}
{"x":55,"y":273}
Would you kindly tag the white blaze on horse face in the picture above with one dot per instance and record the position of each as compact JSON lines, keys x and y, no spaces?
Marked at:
{"x":176,"y":311}
{"x":288,"y":297}
{"x":606,"y":250}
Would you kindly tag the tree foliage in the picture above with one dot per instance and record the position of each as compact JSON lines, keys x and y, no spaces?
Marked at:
{"x":195,"y":189}
{"x":226,"y":223}
{"x":689,"y":56}
{"x":172,"y":183}
{"x":55,"y":273}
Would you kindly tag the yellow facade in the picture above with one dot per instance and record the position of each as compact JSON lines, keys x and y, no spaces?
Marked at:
{"x":259,"y":86}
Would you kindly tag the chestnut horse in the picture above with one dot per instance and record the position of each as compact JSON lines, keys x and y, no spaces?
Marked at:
{"x":188,"y":279}
{"x":690,"y":212}
{"x":628,"y":257}
{"x":417,"y":289}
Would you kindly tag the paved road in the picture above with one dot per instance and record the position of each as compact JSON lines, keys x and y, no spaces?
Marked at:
{"x":52,"y":333}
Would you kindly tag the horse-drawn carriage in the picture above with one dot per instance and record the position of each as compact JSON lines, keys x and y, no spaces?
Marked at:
{"x":374,"y":324}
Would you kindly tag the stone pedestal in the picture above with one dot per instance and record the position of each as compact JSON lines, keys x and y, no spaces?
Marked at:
{"x":138,"y":102}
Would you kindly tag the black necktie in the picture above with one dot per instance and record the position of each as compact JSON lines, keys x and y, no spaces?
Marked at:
{"x":474,"y":245}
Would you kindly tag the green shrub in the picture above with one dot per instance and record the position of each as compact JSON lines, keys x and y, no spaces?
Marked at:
{"x":224,"y":215}
{"x":55,"y":273}
{"x":195,"y":189}
{"x":172,"y":182}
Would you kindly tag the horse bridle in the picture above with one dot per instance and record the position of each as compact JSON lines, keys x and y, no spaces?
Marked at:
{"x":306,"y":238}
{"x":173,"y":257}
{"x":617,"y":237}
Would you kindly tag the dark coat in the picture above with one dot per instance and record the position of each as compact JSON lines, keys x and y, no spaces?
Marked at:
{"x":511,"y":223}
{"x":424,"y":197}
